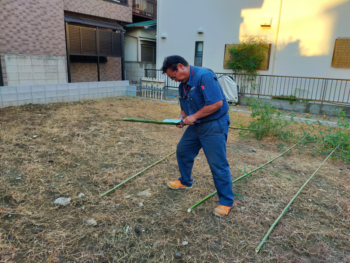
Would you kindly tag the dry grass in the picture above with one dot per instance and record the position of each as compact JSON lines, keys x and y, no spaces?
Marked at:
{"x":75,"y":146}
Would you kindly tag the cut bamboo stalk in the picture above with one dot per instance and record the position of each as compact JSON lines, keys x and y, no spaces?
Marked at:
{"x":244,"y":175}
{"x":142,"y":120}
{"x":290,"y":202}
{"x":163,"y":122}
{"x":115,"y":187}
{"x":238,"y":128}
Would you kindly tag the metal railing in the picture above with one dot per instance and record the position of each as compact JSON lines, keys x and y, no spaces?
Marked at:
{"x":145,"y":8}
{"x":282,"y":87}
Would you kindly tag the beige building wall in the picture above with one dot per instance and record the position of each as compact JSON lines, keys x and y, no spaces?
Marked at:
{"x":133,"y":45}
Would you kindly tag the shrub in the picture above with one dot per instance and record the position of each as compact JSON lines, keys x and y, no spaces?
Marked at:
{"x":247,"y":56}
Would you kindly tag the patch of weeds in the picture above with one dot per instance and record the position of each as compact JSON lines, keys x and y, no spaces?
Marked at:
{"x":334,"y":137}
{"x":280,"y":146}
{"x":291,"y":98}
{"x":268,"y":121}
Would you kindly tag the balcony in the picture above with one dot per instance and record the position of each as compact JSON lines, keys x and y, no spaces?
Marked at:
{"x":145,"y":8}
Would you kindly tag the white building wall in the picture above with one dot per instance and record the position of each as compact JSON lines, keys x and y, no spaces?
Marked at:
{"x":304,"y":32}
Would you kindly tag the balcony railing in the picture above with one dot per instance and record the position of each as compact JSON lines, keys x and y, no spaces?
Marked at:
{"x":145,"y":8}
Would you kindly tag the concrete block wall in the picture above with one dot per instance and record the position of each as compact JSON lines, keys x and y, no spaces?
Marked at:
{"x":35,"y":70}
{"x":136,"y":70}
{"x":51,"y":93}
{"x":315,"y":108}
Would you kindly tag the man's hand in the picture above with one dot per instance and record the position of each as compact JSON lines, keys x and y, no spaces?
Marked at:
{"x":181,"y":125}
{"x":189,"y":120}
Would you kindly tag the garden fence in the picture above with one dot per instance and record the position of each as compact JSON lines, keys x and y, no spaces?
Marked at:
{"x":281,"y":87}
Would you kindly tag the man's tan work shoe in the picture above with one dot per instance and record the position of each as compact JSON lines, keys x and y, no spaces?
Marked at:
{"x":178,"y":185}
{"x":222,"y":210}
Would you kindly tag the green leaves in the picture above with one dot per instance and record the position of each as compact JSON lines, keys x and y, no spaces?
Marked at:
{"x":247,"y":56}
{"x":269,"y":121}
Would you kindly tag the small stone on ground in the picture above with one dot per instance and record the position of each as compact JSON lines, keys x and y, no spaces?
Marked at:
{"x":91,"y":222}
{"x":62,"y":201}
{"x":145,"y":193}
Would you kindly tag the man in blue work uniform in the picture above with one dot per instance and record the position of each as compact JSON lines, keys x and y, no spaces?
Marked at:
{"x":204,"y":108}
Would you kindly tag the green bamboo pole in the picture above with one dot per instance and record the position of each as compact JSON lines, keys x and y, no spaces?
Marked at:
{"x":244,"y":175}
{"x":238,"y":128}
{"x":142,"y":120}
{"x":115,"y":187}
{"x":162,"y":122}
{"x":290,"y":202}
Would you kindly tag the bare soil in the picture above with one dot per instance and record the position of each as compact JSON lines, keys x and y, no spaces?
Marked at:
{"x":64,"y":149}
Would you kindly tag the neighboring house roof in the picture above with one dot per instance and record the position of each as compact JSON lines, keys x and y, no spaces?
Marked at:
{"x":143,"y":24}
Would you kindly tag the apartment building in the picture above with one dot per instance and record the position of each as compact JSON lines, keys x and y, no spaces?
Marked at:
{"x":61,"y":41}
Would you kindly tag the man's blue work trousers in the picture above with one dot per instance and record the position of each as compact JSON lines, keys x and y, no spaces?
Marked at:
{"x":212,"y":136}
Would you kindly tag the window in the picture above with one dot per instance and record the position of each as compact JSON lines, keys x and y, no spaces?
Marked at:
{"x":198,"y":54}
{"x":121,"y":2}
{"x":148,"y":53}
{"x":341,"y":53}
{"x":82,"y":41}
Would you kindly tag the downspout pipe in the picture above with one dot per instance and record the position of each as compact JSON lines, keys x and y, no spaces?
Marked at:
{"x":1,"y":77}
{"x":137,"y":47}
{"x":276,"y":39}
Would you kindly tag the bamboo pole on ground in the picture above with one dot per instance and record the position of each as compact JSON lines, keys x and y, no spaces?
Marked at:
{"x":290,"y":202}
{"x":115,"y":187}
{"x":239,"y":178}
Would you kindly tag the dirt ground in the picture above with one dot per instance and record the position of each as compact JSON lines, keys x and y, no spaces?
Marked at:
{"x":65,"y":149}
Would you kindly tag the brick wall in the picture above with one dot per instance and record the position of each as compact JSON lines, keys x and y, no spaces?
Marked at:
{"x":87,"y":72}
{"x":112,"y":70}
{"x":83,"y":72}
{"x":100,"y":8}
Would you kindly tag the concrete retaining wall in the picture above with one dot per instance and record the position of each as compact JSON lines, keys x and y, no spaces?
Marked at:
{"x":136,"y":70}
{"x":42,"y":94}
{"x":303,"y":107}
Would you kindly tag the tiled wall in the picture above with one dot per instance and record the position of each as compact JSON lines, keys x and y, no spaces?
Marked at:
{"x":100,"y":8}
{"x":112,"y":70}
{"x":83,"y":72}
{"x":31,"y":27}
{"x":136,"y":70}
{"x":87,"y":72}
{"x":41,"y":94}
{"x":30,"y":70}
